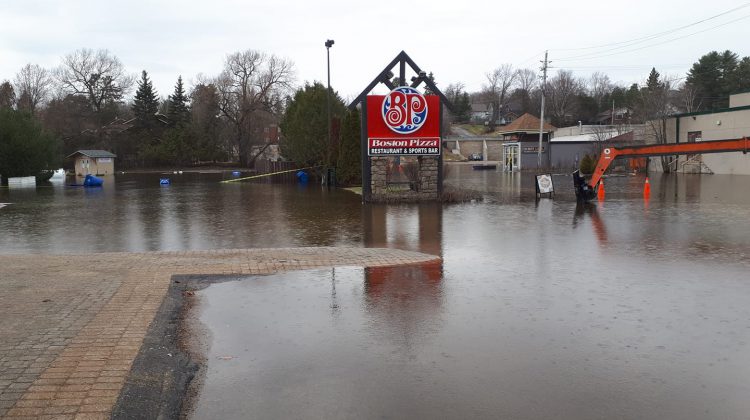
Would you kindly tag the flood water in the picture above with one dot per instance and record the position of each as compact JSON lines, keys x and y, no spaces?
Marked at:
{"x":540,"y":309}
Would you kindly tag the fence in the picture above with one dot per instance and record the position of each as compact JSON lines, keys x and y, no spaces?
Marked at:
{"x":266,"y":166}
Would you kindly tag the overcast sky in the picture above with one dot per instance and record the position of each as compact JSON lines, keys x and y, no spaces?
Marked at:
{"x":458,"y":40}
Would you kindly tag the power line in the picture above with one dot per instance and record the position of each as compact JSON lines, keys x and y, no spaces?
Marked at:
{"x":530,"y":58}
{"x":592,"y":56}
{"x":653,"y":36}
{"x":627,"y":67}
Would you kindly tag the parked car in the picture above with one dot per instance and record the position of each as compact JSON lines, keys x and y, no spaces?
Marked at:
{"x":476,"y":156}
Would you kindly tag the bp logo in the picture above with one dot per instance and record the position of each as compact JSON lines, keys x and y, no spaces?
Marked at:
{"x":404,"y":110}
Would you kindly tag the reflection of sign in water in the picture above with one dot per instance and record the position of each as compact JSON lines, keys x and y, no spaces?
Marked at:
{"x":532,"y":149}
{"x":544,"y":184}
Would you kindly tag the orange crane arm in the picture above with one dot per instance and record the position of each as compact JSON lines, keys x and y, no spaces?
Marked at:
{"x":609,"y":154}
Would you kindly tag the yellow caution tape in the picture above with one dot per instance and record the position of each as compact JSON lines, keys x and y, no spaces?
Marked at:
{"x":269,"y":174}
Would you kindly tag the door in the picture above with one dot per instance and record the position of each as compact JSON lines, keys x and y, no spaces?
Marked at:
{"x":692,"y":137}
{"x":511,"y":157}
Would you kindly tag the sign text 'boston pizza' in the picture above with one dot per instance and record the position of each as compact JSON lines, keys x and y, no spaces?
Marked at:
{"x":404,"y":122}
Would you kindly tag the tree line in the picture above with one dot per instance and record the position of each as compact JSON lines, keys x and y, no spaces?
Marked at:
{"x":84,"y":104}
{"x":570,"y":99}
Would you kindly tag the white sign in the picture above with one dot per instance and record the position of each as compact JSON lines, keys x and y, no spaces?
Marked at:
{"x":104,"y":160}
{"x":544,"y":184}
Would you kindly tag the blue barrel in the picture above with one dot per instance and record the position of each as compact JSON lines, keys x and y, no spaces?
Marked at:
{"x":164,"y":181}
{"x":92,"y":181}
{"x":302,"y":177}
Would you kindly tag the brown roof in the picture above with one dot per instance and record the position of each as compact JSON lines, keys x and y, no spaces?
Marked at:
{"x":526,"y":123}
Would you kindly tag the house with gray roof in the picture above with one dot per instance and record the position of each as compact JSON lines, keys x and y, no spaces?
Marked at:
{"x":94,"y":162}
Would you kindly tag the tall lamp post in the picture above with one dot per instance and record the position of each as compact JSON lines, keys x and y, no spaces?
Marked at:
{"x":329,"y":44}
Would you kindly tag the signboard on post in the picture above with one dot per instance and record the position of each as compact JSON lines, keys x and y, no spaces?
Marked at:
{"x":544,"y":185}
{"x":403,"y":123}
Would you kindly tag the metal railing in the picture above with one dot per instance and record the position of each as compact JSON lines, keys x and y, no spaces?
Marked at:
{"x":691,"y":160}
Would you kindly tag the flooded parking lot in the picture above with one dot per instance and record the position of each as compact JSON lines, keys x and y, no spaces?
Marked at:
{"x":499,"y":343}
{"x":540,"y":309}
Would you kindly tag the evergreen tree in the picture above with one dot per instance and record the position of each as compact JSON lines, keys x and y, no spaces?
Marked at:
{"x":715,"y":77}
{"x":146,"y":102}
{"x":633,"y":95}
{"x":26,"y":148}
{"x":652,"y":83}
{"x":349,"y":165}
{"x":7,"y":95}
{"x":305,"y":126}
{"x":463,"y":107}
{"x":427,"y":90}
{"x":179,"y":113}
{"x":742,"y":75}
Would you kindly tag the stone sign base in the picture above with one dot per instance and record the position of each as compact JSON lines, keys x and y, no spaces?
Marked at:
{"x":425,"y":188}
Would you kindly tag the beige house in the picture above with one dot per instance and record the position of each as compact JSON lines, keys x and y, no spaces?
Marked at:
{"x":94,"y":162}
{"x":721,"y":124}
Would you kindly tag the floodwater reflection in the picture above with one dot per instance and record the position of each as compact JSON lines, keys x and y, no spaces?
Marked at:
{"x":416,"y":228}
{"x":590,"y":209}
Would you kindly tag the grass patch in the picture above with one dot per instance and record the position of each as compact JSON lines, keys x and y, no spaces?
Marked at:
{"x":450,"y":157}
{"x":475,"y":129}
{"x":355,"y":190}
{"x":455,"y":195}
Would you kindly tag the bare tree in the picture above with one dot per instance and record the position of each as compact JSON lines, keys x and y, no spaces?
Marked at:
{"x":654,"y":107}
{"x":601,"y":134}
{"x":561,"y":91}
{"x":33,"y":83}
{"x":499,"y":83}
{"x":599,"y":86}
{"x":97,"y":75}
{"x":687,"y":95}
{"x":251,"y":86}
{"x":454,"y":90}
{"x":527,"y":79}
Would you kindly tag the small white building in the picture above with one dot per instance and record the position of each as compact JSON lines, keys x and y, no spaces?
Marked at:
{"x":94,"y":162}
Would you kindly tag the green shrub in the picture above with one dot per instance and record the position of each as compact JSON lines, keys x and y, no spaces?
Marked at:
{"x":26,"y":149}
{"x":349,"y":163}
{"x":588,"y":164}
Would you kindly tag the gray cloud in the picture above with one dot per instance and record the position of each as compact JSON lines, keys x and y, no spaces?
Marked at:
{"x":458,"y":41}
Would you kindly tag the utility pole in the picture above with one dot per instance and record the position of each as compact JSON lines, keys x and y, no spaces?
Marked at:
{"x":545,"y":63}
{"x":329,"y":44}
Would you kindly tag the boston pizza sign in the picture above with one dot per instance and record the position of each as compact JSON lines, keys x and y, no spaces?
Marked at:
{"x":404,"y":122}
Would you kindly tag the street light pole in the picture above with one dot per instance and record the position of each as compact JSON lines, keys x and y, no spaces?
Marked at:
{"x":329,"y":44}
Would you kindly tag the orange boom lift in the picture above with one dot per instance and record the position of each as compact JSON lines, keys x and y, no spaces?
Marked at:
{"x":586,"y":190}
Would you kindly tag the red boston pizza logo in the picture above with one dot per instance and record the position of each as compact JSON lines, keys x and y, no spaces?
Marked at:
{"x":404,"y":110}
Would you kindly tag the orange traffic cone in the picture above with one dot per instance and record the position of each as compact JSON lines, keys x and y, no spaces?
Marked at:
{"x":600,"y":191}
{"x":646,"y":189}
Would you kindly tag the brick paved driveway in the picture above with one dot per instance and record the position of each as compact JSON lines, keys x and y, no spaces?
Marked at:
{"x":71,"y":325}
